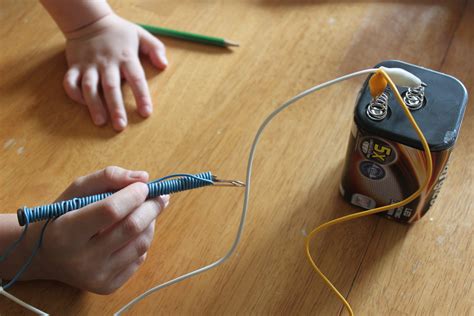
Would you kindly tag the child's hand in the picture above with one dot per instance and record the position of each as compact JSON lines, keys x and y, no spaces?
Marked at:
{"x":98,"y":55}
{"x":99,"y":247}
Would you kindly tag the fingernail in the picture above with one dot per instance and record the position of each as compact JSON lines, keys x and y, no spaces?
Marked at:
{"x":137,"y":175}
{"x":164,"y":59}
{"x":166,"y":200}
{"x":121,"y":123}
{"x":147,"y":107}
{"x":99,"y":119}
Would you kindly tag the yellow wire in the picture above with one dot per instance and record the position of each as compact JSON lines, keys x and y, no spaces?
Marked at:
{"x":346,"y":218}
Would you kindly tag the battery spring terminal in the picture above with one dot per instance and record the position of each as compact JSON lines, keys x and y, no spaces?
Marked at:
{"x":415,"y":97}
{"x":378,"y":107}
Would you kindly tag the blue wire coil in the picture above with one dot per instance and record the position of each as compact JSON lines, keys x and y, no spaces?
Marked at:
{"x":155,"y":188}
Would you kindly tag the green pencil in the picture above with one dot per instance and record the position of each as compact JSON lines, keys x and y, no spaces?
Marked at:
{"x":209,"y":40}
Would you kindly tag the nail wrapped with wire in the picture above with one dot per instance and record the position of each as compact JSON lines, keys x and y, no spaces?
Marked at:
{"x":166,"y":185}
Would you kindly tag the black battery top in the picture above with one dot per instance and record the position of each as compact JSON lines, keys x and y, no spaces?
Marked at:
{"x":439,"y":118}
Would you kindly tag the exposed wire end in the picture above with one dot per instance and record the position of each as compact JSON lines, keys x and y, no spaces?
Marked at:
{"x":227,"y":183}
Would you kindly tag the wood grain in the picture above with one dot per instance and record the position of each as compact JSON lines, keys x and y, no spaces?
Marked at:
{"x":208,"y":105}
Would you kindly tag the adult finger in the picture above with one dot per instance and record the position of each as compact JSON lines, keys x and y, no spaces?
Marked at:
{"x":99,"y":216}
{"x":133,"y":250}
{"x":111,"y":178}
{"x":131,"y":227}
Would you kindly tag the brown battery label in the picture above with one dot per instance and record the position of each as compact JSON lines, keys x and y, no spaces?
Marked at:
{"x":379,"y":172}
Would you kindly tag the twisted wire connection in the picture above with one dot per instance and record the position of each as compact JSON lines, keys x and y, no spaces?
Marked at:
{"x":156,"y":188}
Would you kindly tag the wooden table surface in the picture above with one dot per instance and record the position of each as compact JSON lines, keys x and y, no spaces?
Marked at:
{"x":208,"y":105}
